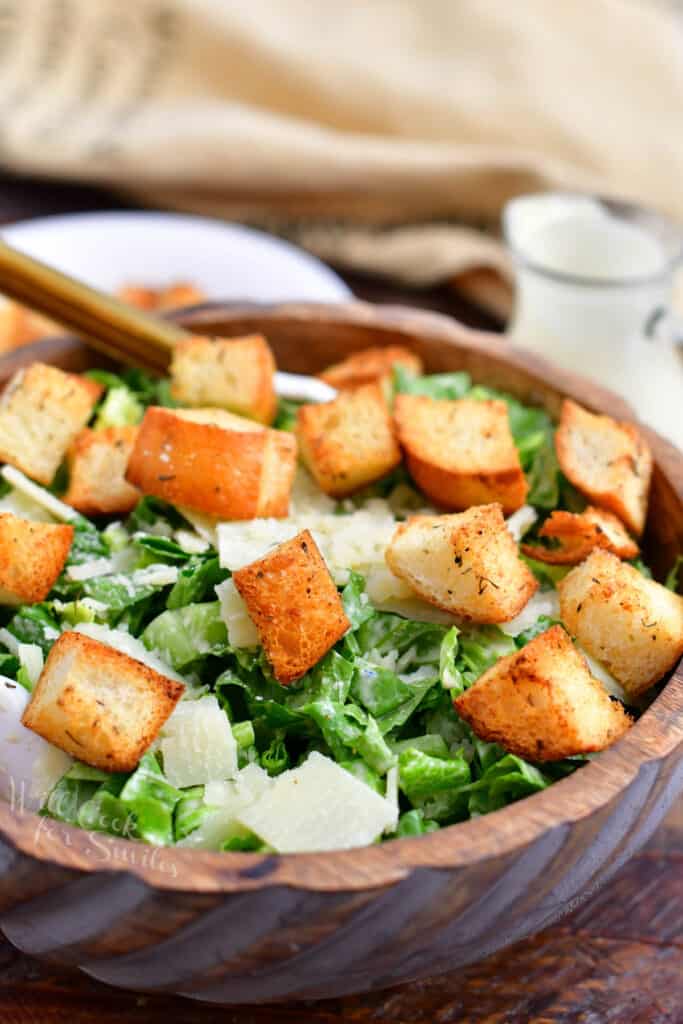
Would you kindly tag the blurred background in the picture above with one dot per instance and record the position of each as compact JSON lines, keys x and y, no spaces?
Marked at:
{"x":383,"y":136}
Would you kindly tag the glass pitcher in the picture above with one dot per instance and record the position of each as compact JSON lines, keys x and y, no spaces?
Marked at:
{"x":593,"y":283}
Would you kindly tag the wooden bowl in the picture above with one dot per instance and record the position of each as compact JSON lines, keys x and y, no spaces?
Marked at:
{"x":248,"y":928}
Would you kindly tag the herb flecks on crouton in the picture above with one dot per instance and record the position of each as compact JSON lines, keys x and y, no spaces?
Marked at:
{"x":542,"y":703}
{"x":632,"y":625}
{"x":292,"y":600}
{"x":32,"y":555}
{"x":371,"y":365}
{"x":214,"y":462}
{"x":41,"y":411}
{"x":97,"y":462}
{"x":608,"y":461}
{"x":466,"y":563}
{"x":228,"y":373}
{"x":461,"y":453}
{"x":348,"y":443}
{"x":98,"y":704}
{"x":576,"y":534}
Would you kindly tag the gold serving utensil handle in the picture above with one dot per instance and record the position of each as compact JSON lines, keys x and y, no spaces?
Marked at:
{"x":112,"y":327}
{"x":101,"y":321}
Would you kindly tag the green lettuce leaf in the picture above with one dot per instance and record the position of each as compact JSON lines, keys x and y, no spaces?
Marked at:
{"x":414,"y":823}
{"x":423,"y":776}
{"x":183,"y":636}
{"x":505,"y":780}
{"x":674,"y":578}
{"x":434,"y":385}
{"x":196,"y":581}
{"x":35,"y":624}
{"x":120,"y":408}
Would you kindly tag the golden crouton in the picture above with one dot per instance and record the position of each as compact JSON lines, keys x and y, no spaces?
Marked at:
{"x":371,"y":365}
{"x":542,"y":703}
{"x":630,"y":624}
{"x":179,"y":294}
{"x":349,"y":442}
{"x":32,"y":555}
{"x":41,"y":412}
{"x":578,"y":533}
{"x":294,"y":604}
{"x":461,"y":453}
{"x":213,"y":462}
{"x":14,"y":331}
{"x":97,"y":463}
{"x":20,"y":326}
{"x":466,"y":563}
{"x":234,"y":373}
{"x":98,"y":704}
{"x":606,"y":460}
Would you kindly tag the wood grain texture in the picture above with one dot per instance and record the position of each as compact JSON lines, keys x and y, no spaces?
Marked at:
{"x":619,"y":959}
{"x":251,"y":928}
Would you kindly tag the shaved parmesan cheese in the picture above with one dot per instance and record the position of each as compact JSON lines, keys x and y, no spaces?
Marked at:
{"x":306,"y":496}
{"x":128,"y":644}
{"x":39,"y":495}
{"x":204,"y":525}
{"x":354,"y":541}
{"x":318,"y":806}
{"x":521,"y":521}
{"x":20,"y":505}
{"x":391,"y":797}
{"x":29,"y":765}
{"x":158,"y":575}
{"x":381,"y":585}
{"x":190,"y":542}
{"x":30,"y":655}
{"x":543,"y":602}
{"x":241,"y":630}
{"x":597,"y":670}
{"x":414,"y":608}
{"x":226,"y":800}
{"x":197,"y":744}
{"x":89,"y":570}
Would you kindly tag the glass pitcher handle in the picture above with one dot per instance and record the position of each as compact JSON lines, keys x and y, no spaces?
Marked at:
{"x":664,"y":325}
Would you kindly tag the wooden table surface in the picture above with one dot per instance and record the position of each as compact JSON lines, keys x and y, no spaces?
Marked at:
{"x":619,"y":959}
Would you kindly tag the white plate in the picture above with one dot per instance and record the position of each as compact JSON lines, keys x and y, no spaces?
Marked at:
{"x":227,"y":261}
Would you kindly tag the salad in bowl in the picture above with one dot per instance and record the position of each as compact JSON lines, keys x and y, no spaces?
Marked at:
{"x":235,"y":622}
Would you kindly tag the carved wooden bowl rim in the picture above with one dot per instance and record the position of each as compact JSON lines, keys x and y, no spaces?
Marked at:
{"x":586,"y":792}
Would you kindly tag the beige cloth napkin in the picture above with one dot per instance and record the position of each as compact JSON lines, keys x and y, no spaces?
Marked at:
{"x":382,"y":134}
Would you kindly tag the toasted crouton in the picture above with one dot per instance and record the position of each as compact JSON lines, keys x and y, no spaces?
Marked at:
{"x":294,"y":604}
{"x":234,"y":373}
{"x":32,"y":555}
{"x":606,"y":460}
{"x":461,"y":453}
{"x":97,"y":463}
{"x":466,"y":563}
{"x":41,"y":411}
{"x":630,"y":624}
{"x":213,"y":462}
{"x":14,"y":329}
{"x":578,"y":533}
{"x":542,"y":703}
{"x":179,"y":294}
{"x":371,"y":365}
{"x":349,"y":442}
{"x":98,"y":704}
{"x":20,"y":326}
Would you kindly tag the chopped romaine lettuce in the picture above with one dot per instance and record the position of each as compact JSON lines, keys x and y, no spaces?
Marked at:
{"x":183,"y":636}
{"x":435,"y":385}
{"x":120,"y":408}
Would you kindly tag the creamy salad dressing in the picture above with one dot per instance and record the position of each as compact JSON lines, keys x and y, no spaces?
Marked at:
{"x":590,"y":286}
